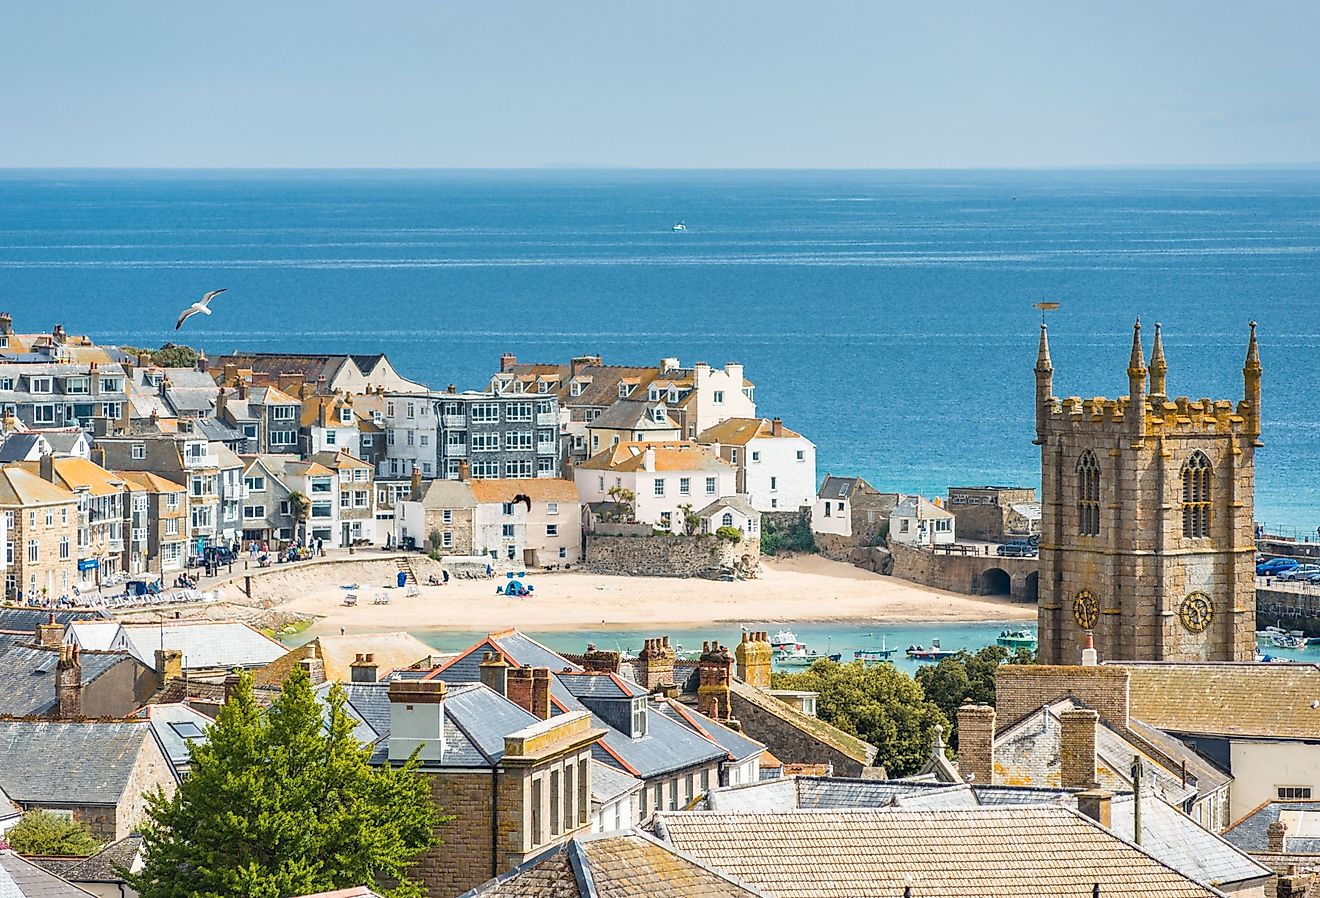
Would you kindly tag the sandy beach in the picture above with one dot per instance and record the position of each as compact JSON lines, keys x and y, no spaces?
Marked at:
{"x":804,"y":588}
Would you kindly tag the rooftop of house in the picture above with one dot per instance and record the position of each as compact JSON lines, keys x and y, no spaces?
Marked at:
{"x":538,"y":489}
{"x":809,"y":724}
{"x":1276,"y":701}
{"x":666,"y":746}
{"x":741,"y":431}
{"x":973,"y":852}
{"x":205,"y":644}
{"x":176,"y":725}
{"x":609,"y":783}
{"x":1167,"y":833}
{"x":106,"y":864}
{"x":1302,"y":819}
{"x":21,"y":878}
{"x":25,"y":621}
{"x":27,"y":675}
{"x":153,"y":483}
{"x":20,"y":487}
{"x":51,"y":762}
{"x":664,"y":456}
{"x":633,"y":414}
{"x":922,"y":509}
{"x":341,"y":460}
{"x":19,"y":446}
{"x":736,"y":503}
{"x":447,"y":494}
{"x":842,"y":487}
{"x":607,"y":865}
{"x":389,"y":651}
{"x":79,"y":474}
{"x":739,"y":747}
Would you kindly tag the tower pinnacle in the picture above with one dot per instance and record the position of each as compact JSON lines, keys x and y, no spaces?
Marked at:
{"x":1251,"y":372}
{"x":1158,"y":367}
{"x":1137,"y":362}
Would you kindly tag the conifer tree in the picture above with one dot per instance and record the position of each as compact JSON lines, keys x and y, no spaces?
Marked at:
{"x":285,"y":803}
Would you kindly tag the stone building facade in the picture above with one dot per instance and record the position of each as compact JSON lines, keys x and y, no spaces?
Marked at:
{"x":1146,"y":520}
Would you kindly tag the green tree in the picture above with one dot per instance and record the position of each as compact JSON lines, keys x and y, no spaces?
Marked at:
{"x":967,"y":676}
{"x":285,"y":803}
{"x":171,"y":355}
{"x":879,"y":704}
{"x":51,"y":835}
{"x":299,"y":508}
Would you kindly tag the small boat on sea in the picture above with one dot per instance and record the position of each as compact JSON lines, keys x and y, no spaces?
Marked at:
{"x":801,"y":657}
{"x":1286,"y":639}
{"x":874,"y":656}
{"x":679,"y":227}
{"x":934,"y":653}
{"x":1016,"y":638}
{"x":785,"y":639}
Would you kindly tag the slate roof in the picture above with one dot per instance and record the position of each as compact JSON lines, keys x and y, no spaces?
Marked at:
{"x":476,"y":721}
{"x":175,"y":724}
{"x":839,"y":487}
{"x":666,"y":747}
{"x":739,"y":747}
{"x":104,"y":865}
{"x":614,"y":866}
{"x":668,"y":456}
{"x":446,"y":494}
{"x":1178,"y":841}
{"x":632,"y":414}
{"x":25,"y":620}
{"x":1249,"y":833}
{"x":368,"y":704}
{"x":809,"y":724}
{"x":600,"y":685}
{"x":737,"y":503}
{"x":27,"y":677}
{"x":205,"y":644}
{"x":1261,"y":700}
{"x":215,"y":429}
{"x":609,"y":782}
{"x":962,"y":853}
{"x":920,"y":508}
{"x":18,"y":446}
{"x":69,"y":762}
{"x":20,"y":878}
{"x":63,"y":441}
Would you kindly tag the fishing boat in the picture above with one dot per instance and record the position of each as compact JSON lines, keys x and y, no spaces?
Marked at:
{"x":679,"y":227}
{"x":1016,"y":638}
{"x":785,"y":639}
{"x":801,"y":657}
{"x":1286,"y":639}
{"x":934,"y":653}
{"x":874,"y":656}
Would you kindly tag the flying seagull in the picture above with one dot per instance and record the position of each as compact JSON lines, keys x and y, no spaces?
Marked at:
{"x":202,"y":305}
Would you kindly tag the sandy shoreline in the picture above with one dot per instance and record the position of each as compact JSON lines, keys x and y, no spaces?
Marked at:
{"x":800,"y":589}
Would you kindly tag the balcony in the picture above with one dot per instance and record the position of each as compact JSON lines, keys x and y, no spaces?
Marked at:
{"x":456,"y":451}
{"x":453,"y":420}
{"x":547,"y":418}
{"x":206,"y":460}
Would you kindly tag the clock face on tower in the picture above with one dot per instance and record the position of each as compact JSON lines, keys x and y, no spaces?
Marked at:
{"x":1196,"y":612}
{"x":1086,"y":610}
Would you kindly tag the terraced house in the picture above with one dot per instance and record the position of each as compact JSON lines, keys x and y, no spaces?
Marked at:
{"x":166,"y":519}
{"x":357,"y":498}
{"x":41,"y":533}
{"x":101,"y":508}
{"x":60,"y":394}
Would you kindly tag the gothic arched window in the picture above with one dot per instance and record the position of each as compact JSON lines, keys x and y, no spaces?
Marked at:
{"x":1088,"y":495}
{"x":1196,"y":495}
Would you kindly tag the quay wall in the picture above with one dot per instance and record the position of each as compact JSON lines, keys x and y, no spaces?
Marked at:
{"x":672,"y":556}
{"x":978,"y":575}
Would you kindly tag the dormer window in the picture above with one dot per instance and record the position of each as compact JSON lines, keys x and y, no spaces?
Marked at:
{"x":575,"y":388}
{"x":673,"y":395}
{"x":346,"y":416}
{"x":39,"y":385}
{"x":658,"y":415}
{"x":542,"y":387}
{"x":111,"y":385}
{"x":654,"y":394}
{"x":624,"y":390}
{"x":76,"y":385}
{"x":639,"y":717}
{"x":155,"y":378}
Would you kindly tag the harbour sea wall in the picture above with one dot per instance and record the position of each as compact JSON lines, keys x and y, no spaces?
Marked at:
{"x":981,"y":575}
{"x":672,"y":556}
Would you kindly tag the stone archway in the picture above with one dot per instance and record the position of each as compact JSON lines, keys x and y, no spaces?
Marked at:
{"x":995,"y":582}
{"x":1031,"y":587}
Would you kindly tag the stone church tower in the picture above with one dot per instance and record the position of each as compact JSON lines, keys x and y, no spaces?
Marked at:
{"x":1147,"y":538}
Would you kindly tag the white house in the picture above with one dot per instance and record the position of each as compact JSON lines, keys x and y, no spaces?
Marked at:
{"x":731,"y":511}
{"x":534,"y":521}
{"x":500,"y":522}
{"x":917,"y":521}
{"x":664,"y":478}
{"x":776,"y":467}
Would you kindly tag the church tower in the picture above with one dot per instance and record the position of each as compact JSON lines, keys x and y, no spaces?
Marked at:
{"x":1147,"y":538}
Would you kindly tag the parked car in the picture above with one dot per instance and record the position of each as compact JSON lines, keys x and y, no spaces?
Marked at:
{"x":1301,"y":572}
{"x":1018,"y":548}
{"x":1275,"y":566}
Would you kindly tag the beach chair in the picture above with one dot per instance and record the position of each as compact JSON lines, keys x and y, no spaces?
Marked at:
{"x":351,"y":599}
{"x":412,"y":591}
{"x":381,"y":599}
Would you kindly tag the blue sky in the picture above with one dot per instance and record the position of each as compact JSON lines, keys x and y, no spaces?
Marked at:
{"x":712,"y":83}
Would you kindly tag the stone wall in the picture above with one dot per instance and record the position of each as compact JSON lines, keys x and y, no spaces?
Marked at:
{"x":151,"y":771}
{"x":463,"y":859}
{"x":1293,"y":609}
{"x":786,"y":520}
{"x":672,"y":556}
{"x":835,"y":547}
{"x":971,"y":574}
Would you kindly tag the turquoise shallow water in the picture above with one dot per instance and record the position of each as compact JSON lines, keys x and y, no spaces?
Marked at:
{"x":887,"y":315}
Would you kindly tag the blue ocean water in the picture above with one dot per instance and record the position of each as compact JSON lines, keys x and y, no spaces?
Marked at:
{"x":887,"y":315}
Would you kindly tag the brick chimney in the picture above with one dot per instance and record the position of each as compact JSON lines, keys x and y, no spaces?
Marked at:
{"x":363,"y":669}
{"x":464,"y":471}
{"x":1098,"y":804}
{"x":289,"y":383}
{"x":600,"y":660}
{"x":169,"y":666}
{"x":715,"y":671}
{"x":655,"y":664}
{"x":776,"y":427}
{"x":1077,"y":748}
{"x":50,"y":634}
{"x":976,"y":744}
{"x":529,"y":689}
{"x":46,"y":467}
{"x":417,"y":719}
{"x":1293,"y":884}
{"x":495,"y":673}
{"x":315,"y":670}
{"x":507,"y":362}
{"x":753,"y":656}
{"x":68,"y":684}
{"x":416,"y":492}
{"x":1276,"y":837}
{"x":231,"y":685}
{"x":203,"y":364}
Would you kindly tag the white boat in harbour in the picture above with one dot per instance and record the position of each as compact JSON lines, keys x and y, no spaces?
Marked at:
{"x":1286,"y":639}
{"x":679,"y":227}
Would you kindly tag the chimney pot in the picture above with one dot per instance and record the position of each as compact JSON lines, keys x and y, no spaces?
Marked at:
{"x":1098,"y":804}
{"x":364,"y":669}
